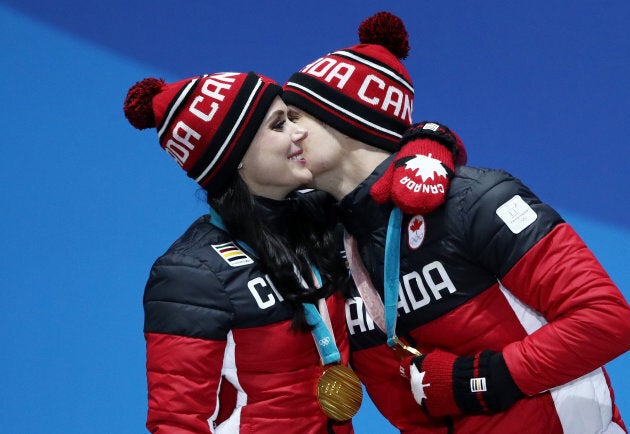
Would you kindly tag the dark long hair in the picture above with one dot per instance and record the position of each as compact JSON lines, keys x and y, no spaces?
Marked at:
{"x":310,"y":239}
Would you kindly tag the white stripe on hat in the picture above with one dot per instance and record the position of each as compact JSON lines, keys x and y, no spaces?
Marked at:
{"x":373,"y":65}
{"x":182,"y":96}
{"x":235,"y":128}
{"x":344,"y":111}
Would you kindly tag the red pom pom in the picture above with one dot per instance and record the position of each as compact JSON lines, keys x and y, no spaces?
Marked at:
{"x":386,"y":29}
{"x":138,"y":104}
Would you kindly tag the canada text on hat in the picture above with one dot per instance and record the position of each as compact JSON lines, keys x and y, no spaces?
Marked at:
{"x":205,"y":123}
{"x":363,"y":91}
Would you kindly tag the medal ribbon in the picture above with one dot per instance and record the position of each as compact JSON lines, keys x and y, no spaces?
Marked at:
{"x":321,"y":331}
{"x":371,"y":299}
{"x":383,"y":314}
{"x":392,"y":269}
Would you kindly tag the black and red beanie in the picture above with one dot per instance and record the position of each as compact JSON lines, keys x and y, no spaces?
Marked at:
{"x":363,"y":91}
{"x":205,"y":123}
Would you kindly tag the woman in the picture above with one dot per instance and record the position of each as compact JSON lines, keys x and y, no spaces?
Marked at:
{"x":230,"y":316}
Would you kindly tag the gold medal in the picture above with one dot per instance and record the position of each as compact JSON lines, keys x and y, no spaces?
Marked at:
{"x":339,"y":392}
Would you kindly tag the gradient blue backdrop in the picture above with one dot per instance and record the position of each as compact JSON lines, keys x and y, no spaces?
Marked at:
{"x":539,"y":88}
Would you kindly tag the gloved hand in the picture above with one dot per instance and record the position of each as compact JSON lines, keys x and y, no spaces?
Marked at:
{"x":417,"y":180}
{"x":446,"y":384}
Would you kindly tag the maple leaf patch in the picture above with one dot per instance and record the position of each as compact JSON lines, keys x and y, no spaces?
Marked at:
{"x":426,"y":167}
{"x":415,"y":232}
{"x":415,"y":225}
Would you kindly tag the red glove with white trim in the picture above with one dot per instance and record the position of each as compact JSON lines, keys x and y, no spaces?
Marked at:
{"x":446,"y":384}
{"x":417,"y":180}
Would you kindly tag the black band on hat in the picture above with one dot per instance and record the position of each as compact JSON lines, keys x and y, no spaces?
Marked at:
{"x":343,"y":113}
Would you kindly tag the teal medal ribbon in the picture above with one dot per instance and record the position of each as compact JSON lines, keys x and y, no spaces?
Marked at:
{"x":390,"y":281}
{"x":322,"y":334}
{"x":391,"y":270}
{"x":382,"y":310}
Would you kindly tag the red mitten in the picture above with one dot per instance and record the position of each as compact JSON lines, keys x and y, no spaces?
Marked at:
{"x":418,"y":178}
{"x":446,"y":384}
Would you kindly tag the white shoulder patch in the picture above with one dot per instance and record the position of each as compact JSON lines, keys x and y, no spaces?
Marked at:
{"x":232,"y":254}
{"x":516,"y":214}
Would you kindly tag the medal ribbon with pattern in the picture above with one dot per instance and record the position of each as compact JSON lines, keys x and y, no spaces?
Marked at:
{"x":384,"y":314}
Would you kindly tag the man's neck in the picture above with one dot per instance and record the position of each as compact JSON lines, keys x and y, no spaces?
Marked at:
{"x":358,"y":163}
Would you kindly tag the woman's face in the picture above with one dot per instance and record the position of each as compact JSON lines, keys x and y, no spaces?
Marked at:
{"x":323,"y":150}
{"x":273,"y":166}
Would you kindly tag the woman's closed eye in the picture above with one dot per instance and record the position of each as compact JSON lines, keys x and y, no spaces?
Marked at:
{"x":278,"y":125}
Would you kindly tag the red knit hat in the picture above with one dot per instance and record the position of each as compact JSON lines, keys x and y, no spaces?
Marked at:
{"x":205,"y":123}
{"x":363,"y":91}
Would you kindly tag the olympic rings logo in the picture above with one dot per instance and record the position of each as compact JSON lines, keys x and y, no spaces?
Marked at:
{"x":324,"y":341}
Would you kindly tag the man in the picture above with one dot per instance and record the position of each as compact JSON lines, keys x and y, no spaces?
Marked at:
{"x":480,"y":309}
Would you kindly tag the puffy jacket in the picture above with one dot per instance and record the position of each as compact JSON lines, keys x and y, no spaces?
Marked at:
{"x":497,"y":270}
{"x":220,"y":355}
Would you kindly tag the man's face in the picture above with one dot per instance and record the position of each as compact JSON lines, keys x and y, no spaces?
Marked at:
{"x":322,"y":149}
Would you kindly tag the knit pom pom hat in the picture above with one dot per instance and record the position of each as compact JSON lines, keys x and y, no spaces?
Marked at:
{"x":205,"y":123}
{"x":363,"y":91}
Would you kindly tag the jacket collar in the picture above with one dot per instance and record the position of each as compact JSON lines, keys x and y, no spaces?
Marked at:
{"x":274,"y":213}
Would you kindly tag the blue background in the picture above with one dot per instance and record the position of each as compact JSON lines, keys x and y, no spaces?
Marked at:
{"x":539,"y":88}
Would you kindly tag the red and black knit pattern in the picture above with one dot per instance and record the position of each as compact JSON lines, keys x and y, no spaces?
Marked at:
{"x":363,"y":91}
{"x":205,"y":123}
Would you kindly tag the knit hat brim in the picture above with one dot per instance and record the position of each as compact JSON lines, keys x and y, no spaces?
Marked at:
{"x":343,"y":113}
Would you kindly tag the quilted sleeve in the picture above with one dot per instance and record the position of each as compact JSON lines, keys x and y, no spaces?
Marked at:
{"x":540,"y":259}
{"x":187,"y":317}
{"x":587,"y":316}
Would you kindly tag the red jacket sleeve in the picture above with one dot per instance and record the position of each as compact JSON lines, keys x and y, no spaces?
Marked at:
{"x":586,"y":314}
{"x":187,"y":320}
{"x":183,"y":376}
{"x":575,"y":317}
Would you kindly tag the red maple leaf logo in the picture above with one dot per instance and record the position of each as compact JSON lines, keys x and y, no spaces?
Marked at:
{"x":415,"y":225}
